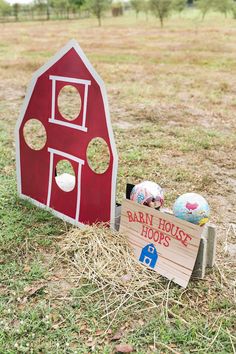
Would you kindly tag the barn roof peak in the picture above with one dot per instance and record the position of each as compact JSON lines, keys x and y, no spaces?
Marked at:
{"x":69,"y":45}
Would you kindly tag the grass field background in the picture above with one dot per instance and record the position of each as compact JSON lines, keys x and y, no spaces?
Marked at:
{"x":172,"y":96}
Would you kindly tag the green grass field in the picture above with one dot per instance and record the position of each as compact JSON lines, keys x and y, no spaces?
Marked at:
{"x":172,"y":95}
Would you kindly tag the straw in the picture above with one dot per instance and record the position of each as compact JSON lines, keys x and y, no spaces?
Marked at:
{"x":103,"y":257}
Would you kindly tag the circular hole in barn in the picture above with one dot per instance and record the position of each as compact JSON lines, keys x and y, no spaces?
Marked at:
{"x":35,"y":134}
{"x":98,"y":155}
{"x":69,"y":102}
{"x":65,"y":175}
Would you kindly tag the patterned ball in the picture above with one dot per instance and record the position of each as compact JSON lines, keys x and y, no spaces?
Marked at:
{"x":148,"y":193}
{"x":192,"y":207}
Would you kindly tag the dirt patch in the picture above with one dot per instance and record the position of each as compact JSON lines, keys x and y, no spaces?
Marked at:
{"x":123,"y":125}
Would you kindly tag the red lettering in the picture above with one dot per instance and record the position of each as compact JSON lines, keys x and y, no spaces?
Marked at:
{"x":167,"y":241}
{"x":135,"y":218}
{"x":161,"y":224}
{"x":141,"y":218}
{"x":130,"y":216}
{"x":180,"y":235}
{"x":149,"y":219}
{"x":176,"y":230}
{"x":156,"y":236}
{"x":168,"y":226}
{"x":162,"y":236}
{"x":150,"y":234}
{"x":187,"y":237}
{"x":144,"y":231}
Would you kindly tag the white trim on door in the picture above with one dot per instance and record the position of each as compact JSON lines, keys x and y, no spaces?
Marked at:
{"x":79,"y":173}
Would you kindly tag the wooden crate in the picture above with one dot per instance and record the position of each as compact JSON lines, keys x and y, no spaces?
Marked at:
{"x":207,"y":251}
{"x":179,"y":261}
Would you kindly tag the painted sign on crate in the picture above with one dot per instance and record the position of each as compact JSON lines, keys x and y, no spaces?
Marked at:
{"x":161,"y":241}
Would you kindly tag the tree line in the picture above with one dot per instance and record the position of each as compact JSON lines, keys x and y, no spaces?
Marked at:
{"x":162,"y":8}
{"x":48,"y":9}
{"x":40,"y":9}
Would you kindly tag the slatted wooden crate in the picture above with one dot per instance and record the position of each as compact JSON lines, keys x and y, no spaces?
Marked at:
{"x":179,"y":261}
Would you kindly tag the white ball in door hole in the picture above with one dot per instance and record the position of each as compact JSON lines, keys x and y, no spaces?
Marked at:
{"x":65,"y":176}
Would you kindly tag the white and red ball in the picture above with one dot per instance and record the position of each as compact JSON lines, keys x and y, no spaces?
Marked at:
{"x":148,"y":193}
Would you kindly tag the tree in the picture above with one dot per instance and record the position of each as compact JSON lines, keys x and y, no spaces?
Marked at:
{"x":136,"y":5}
{"x":179,"y":5}
{"x":76,"y":4}
{"x":48,"y":9}
{"x":204,"y":6}
{"x":97,"y":8}
{"x":145,"y":8}
{"x":234,"y":10}
{"x":16,"y":10}
{"x":223,"y":6}
{"x":40,"y":7}
{"x":5,"y":8}
{"x":62,"y":8}
{"x":161,"y":9}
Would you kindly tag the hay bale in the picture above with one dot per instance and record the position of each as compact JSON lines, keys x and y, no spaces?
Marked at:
{"x":103,"y":257}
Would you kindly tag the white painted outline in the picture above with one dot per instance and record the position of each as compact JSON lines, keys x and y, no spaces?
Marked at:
{"x":54,"y":212}
{"x":50,"y":179}
{"x":53,"y":103}
{"x":69,"y":79}
{"x":71,"y":44}
{"x":66,"y":155}
{"x":67,"y":124}
{"x":85,"y":106}
{"x":78,"y":191}
{"x":73,"y":158}
{"x":66,"y":80}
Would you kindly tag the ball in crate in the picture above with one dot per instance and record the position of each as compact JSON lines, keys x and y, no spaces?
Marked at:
{"x":192,"y":207}
{"x":148,"y":193}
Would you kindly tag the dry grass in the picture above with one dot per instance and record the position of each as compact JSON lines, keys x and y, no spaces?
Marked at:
{"x":103,"y":257}
{"x":172,"y":103}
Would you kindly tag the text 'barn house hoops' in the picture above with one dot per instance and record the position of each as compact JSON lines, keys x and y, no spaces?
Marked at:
{"x":49,"y":138}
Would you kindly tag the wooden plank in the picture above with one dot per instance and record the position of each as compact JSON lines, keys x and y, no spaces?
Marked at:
{"x":199,"y":269}
{"x":161,"y":241}
{"x":117,"y":217}
{"x":211,"y":246}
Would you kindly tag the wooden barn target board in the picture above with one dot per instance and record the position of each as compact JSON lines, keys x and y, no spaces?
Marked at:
{"x":85,"y":196}
{"x":161,"y":241}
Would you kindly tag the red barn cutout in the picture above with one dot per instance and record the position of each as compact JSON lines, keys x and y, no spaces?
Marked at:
{"x":84,"y":196}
